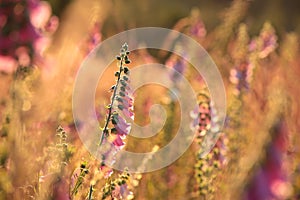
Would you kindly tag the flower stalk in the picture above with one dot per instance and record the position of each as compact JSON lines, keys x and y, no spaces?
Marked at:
{"x":123,"y":59}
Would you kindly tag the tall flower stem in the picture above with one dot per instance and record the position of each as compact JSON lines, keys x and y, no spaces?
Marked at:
{"x":122,"y":58}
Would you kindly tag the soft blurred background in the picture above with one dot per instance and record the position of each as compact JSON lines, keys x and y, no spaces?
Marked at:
{"x":283,"y":14}
{"x":255,"y":44}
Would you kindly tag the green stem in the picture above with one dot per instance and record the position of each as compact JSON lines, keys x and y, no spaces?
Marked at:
{"x":91,"y":192}
{"x":104,"y":131}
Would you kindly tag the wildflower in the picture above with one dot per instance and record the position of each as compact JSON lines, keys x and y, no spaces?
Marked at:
{"x":125,"y":97}
{"x":121,"y":126}
{"x":117,"y":188}
{"x":78,"y":178}
{"x":197,"y":28}
{"x":204,"y":117}
{"x":25,"y":26}
{"x":271,"y":180}
{"x":205,"y":123}
{"x":61,"y":190}
{"x":107,"y":171}
{"x":119,"y":141}
{"x":116,"y":128}
{"x":94,"y":37}
{"x":268,"y":39}
{"x":201,"y":118}
{"x":241,"y":76}
{"x":179,"y":66}
{"x":266,"y":43}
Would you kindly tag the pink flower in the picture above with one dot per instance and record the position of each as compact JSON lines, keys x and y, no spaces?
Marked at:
{"x":266,"y":43}
{"x":127,"y":103}
{"x":107,"y":172}
{"x":112,"y":139}
{"x":122,"y":127}
{"x":125,"y":98}
{"x":241,"y":76}
{"x":179,"y":65}
{"x":23,"y":27}
{"x":198,"y":29}
{"x":40,"y":13}
{"x":61,"y":189}
{"x":201,"y":119}
{"x":7,"y":64}
{"x":271,"y":179}
{"x":94,"y":38}
{"x":269,"y":41}
{"x":118,"y":141}
{"x":128,"y":113}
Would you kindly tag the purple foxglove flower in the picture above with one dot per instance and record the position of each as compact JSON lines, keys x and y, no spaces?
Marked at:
{"x":202,"y":116}
{"x":198,"y":29}
{"x":252,"y":45}
{"x":94,"y":38}
{"x":128,"y":113}
{"x":266,"y":43}
{"x":241,"y":76}
{"x":269,"y":43}
{"x":112,"y":139}
{"x":122,"y":127}
{"x":61,"y":190}
{"x":126,"y":99}
{"x":271,"y":179}
{"x":127,"y":103}
{"x":179,"y":66}
{"x":107,"y":172}
{"x":118,"y":141}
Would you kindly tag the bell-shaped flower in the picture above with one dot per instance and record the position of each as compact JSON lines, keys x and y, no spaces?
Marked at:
{"x":121,"y":126}
{"x":118,"y":141}
{"x":125,"y":100}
